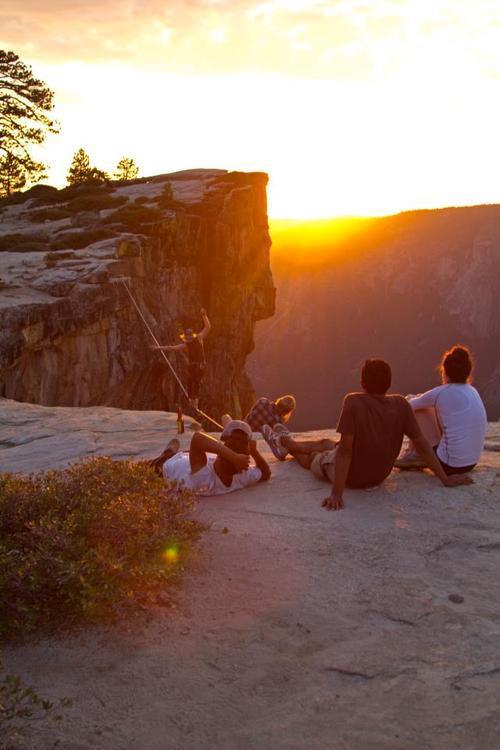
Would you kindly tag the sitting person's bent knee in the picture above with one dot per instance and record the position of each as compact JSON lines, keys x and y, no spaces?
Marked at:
{"x":323,"y":464}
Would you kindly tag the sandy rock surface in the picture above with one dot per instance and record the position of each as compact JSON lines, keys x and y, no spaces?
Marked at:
{"x":295,"y":628}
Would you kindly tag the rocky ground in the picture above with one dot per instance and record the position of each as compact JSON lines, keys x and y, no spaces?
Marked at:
{"x":375,"y":628}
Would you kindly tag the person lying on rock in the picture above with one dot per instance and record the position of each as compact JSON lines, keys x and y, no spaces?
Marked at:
{"x":372,"y":425}
{"x":192,"y":347}
{"x":215,"y":467}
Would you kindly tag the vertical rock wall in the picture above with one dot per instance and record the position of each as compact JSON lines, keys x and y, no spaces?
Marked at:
{"x":84,"y":343}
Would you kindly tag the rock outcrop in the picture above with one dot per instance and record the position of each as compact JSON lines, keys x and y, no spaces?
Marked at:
{"x":69,"y":332}
{"x":374,"y":628}
{"x":402,"y":287}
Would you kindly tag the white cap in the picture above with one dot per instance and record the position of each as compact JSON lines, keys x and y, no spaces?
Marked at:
{"x":234,"y":425}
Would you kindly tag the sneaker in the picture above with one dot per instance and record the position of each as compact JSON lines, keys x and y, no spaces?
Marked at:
{"x":272,"y":438}
{"x":171,"y":449}
{"x":281,"y":429}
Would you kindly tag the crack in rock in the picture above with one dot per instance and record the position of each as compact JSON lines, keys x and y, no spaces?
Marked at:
{"x":493,"y":546}
{"x":400,"y":620}
{"x":455,"y":683}
{"x":365,"y":676}
{"x":280,"y":515}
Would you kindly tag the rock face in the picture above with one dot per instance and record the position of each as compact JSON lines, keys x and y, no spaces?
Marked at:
{"x":69,"y":332}
{"x":403,"y":287}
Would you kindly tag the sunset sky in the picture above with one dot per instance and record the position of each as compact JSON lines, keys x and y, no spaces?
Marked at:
{"x":352,"y":106}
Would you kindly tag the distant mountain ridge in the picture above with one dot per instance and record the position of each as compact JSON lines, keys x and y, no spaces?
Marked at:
{"x":401,"y":287}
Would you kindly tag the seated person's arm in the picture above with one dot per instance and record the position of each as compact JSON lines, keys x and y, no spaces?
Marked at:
{"x":206,"y":324}
{"x":201,"y":444}
{"x":427,"y":453}
{"x":425,"y":450}
{"x":260,"y":462}
{"x":343,"y":455}
{"x":425,"y":401}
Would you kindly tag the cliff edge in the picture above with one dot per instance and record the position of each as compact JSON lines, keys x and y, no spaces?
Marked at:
{"x":69,"y":332}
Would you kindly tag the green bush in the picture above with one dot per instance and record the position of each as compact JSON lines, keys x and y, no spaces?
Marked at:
{"x":134,"y":216}
{"x":36,"y":193}
{"x":166,"y":198}
{"x":70,"y":193}
{"x":23,"y":243}
{"x":76,"y":545}
{"x":93,"y":201}
{"x":96,"y":202}
{"x":52,"y":214}
{"x":78,"y":239}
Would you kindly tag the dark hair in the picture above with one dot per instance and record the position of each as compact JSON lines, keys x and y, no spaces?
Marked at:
{"x":456,"y":364}
{"x":376,"y":376}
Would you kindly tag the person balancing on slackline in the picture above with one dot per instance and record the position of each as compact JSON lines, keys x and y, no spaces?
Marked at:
{"x":192,"y":348}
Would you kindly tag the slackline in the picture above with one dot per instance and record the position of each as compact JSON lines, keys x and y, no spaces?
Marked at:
{"x":148,"y":328}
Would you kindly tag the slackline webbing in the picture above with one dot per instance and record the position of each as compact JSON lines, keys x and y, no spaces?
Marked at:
{"x":148,"y":328}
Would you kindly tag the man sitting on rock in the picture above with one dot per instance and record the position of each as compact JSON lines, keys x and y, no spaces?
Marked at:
{"x":372,"y":425}
{"x":225,"y":469}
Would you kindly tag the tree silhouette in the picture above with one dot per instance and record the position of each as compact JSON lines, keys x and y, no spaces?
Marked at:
{"x":82,"y":171}
{"x":25,"y":102}
{"x":126,"y":169}
{"x":13,"y":176}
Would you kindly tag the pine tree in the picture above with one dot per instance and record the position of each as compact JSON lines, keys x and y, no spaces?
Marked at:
{"x":82,"y":171}
{"x":13,"y":175}
{"x":25,"y":102}
{"x":126,"y":169}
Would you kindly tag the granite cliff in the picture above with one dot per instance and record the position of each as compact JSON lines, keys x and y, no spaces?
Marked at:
{"x":402,"y":287}
{"x":69,"y":333}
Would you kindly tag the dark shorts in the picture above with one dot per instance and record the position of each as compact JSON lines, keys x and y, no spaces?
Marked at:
{"x":196,"y":372}
{"x":448,"y":470}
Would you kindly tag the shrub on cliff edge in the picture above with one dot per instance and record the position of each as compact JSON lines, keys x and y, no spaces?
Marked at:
{"x":78,"y":544}
{"x":135,"y":217}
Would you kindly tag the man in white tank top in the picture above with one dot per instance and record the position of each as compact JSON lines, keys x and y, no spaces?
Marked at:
{"x":216,"y":467}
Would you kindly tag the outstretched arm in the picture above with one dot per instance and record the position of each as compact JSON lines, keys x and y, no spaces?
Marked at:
{"x":426,"y":452}
{"x":338,"y":473}
{"x":168,"y":348}
{"x":206,"y":324}
{"x":201,"y":444}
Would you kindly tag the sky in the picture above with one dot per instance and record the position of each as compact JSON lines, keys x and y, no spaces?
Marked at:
{"x":353,"y":107}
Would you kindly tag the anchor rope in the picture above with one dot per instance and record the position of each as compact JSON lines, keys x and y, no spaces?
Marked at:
{"x":151,"y":333}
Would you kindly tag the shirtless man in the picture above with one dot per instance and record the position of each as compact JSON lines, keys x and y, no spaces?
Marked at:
{"x":192,"y":347}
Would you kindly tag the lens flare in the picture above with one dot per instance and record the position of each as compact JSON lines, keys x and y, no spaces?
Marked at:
{"x":171,"y":553}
